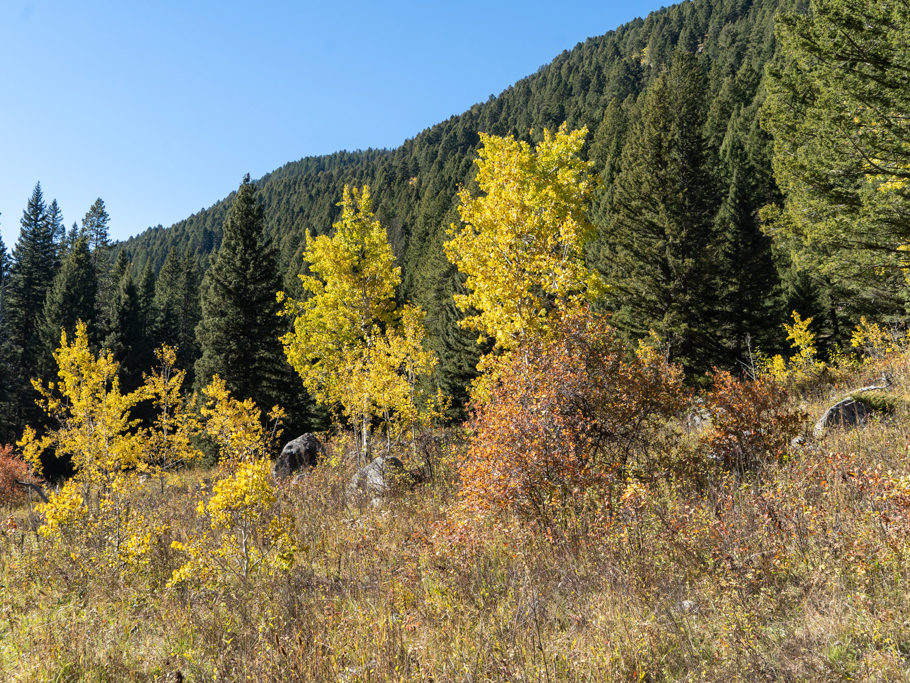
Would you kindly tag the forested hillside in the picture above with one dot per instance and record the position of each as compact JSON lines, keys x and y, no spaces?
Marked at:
{"x":596,"y":85}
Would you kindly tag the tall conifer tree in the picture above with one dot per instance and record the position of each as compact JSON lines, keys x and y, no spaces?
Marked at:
{"x":71,"y":298}
{"x":175,"y":309}
{"x":126,"y":336}
{"x":7,"y":358}
{"x":748,"y":294}
{"x":95,"y":227}
{"x":661,"y":224}
{"x":31,"y":275}
{"x":239,"y":330}
{"x":57,"y":229}
{"x":838,"y":105}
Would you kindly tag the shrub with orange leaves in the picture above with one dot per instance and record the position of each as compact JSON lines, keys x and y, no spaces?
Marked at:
{"x":13,"y":469}
{"x":752,"y":421}
{"x":563,"y":421}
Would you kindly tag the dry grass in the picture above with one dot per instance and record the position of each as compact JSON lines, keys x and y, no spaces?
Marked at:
{"x":799,"y":571}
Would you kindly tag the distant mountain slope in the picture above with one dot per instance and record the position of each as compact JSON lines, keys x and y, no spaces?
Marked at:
{"x":414,"y":186}
{"x":575,"y":87}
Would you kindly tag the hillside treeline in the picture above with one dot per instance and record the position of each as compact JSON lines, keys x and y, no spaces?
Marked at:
{"x":601,"y":84}
{"x":717,"y":211}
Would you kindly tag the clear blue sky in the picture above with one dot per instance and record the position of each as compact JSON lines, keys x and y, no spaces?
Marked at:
{"x":161,"y":107}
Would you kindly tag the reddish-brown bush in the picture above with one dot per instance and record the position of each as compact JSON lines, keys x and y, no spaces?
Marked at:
{"x":12,"y":469}
{"x":562,"y":422}
{"x":751,"y":421}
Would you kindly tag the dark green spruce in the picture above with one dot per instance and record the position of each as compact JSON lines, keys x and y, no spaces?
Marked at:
{"x":661,"y":236}
{"x":176,"y":311}
{"x":127,"y":331}
{"x":31,"y":275}
{"x":239,"y":331}
{"x":8,"y":386}
{"x":72,"y":297}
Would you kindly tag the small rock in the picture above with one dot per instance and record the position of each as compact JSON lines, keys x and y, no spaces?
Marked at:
{"x":687,"y":607}
{"x":697,"y":418}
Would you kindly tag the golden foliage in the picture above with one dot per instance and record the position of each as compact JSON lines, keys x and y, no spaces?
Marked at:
{"x":246,"y":536}
{"x":95,"y":428}
{"x":349,"y":344}
{"x":168,"y":442}
{"x":804,"y":365}
{"x":236,"y":426}
{"x":521,"y":243}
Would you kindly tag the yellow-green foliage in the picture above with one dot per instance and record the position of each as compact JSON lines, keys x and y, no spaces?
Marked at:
{"x":351,"y":290}
{"x":236,"y":426}
{"x":94,"y":427}
{"x":804,"y":364}
{"x":349,"y":344}
{"x":874,"y":343}
{"x":96,"y":432}
{"x":246,"y":535}
{"x":872,"y":340}
{"x":521,"y":243}
{"x":168,"y":442}
{"x":398,"y":360}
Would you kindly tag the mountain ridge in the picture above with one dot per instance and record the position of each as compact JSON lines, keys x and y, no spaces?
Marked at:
{"x":414,"y":185}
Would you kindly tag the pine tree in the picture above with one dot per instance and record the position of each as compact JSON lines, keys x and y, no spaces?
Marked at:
{"x":57,"y":228}
{"x":71,"y":298}
{"x":109,"y":279}
{"x":4,"y":267}
{"x":31,"y":275}
{"x":661,"y":229}
{"x":838,"y":100}
{"x":175,"y":309}
{"x":8,"y":385}
{"x":239,"y":330}
{"x":456,"y":348}
{"x":146,"y":288}
{"x":748,"y":294}
{"x":95,"y":228}
{"x":126,"y":334}
{"x":69,"y":239}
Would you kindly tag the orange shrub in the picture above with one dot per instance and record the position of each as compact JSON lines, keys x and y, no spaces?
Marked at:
{"x":12,"y":469}
{"x":562,"y":422}
{"x":751,"y":421}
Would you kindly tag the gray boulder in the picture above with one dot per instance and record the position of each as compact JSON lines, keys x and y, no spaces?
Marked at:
{"x":377,"y":479}
{"x":302,"y":452}
{"x":845,"y":413}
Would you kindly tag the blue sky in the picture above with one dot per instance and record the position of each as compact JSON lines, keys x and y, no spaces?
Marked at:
{"x":161,"y":107}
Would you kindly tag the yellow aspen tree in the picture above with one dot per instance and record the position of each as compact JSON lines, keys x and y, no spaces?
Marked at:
{"x":520,"y":245}
{"x":94,"y":429}
{"x":399,"y":360}
{"x":340,"y":339}
{"x":236,"y":426}
{"x":168,"y":442}
{"x":247,"y":535}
